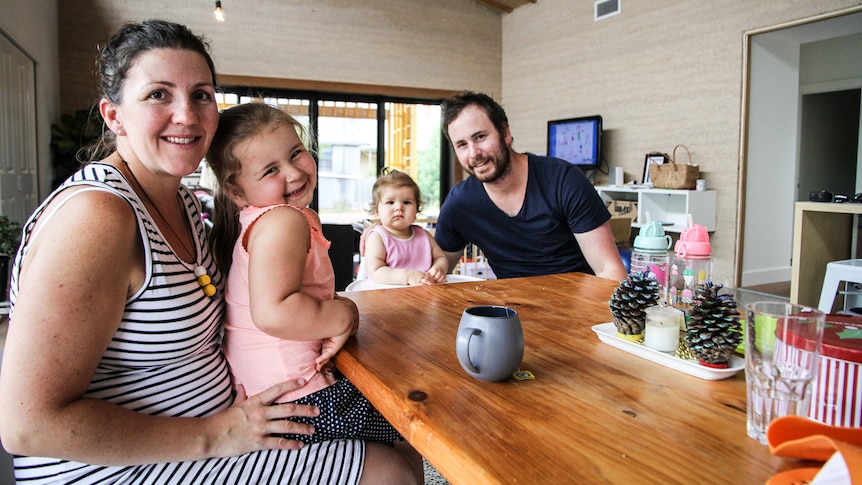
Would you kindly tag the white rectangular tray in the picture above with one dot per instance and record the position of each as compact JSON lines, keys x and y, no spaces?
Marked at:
{"x":607,"y":333}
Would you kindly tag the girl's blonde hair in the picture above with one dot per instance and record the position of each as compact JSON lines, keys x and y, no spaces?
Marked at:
{"x":389,"y":177}
{"x":236,"y":125}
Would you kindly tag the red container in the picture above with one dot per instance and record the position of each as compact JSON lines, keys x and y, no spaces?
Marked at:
{"x":836,"y":397}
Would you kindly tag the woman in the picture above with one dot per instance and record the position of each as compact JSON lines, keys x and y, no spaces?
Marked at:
{"x":112,"y":361}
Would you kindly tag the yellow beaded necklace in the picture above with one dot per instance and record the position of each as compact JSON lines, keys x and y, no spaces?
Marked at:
{"x":203,"y":279}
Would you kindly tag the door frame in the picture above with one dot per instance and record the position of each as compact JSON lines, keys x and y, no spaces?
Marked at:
{"x":783,"y":40}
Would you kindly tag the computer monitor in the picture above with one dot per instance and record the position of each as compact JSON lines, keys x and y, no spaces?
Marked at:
{"x":577,"y":141}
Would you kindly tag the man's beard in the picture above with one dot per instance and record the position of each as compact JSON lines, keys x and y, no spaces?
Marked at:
{"x":502,"y":165}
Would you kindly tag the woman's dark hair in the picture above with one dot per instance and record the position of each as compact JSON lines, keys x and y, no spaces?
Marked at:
{"x":389,"y":177}
{"x":236,"y":125}
{"x":117,"y":56}
{"x":453,"y":106}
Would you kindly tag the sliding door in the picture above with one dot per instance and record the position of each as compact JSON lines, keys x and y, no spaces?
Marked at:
{"x":18,"y":159}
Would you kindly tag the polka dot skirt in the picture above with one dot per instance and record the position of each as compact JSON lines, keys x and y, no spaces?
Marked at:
{"x":344,"y":414}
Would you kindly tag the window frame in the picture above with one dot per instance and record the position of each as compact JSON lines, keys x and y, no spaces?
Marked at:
{"x":262,"y":89}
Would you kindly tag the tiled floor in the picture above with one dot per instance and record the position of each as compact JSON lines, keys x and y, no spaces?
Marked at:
{"x":432,"y":476}
{"x":744,"y":296}
{"x":780,"y":288}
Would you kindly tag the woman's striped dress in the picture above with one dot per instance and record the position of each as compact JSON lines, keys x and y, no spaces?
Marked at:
{"x":166,"y":359}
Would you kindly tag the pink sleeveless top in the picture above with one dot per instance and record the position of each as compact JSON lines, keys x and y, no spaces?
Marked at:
{"x":411,"y":253}
{"x":259,"y":360}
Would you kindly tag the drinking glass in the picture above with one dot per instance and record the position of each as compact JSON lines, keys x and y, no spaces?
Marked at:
{"x":782,"y":349}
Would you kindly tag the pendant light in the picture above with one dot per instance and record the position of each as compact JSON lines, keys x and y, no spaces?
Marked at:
{"x":218,"y":13}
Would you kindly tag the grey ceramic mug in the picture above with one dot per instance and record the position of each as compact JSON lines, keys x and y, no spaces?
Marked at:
{"x":490,"y":343}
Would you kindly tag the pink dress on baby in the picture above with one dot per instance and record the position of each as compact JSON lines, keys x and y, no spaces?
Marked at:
{"x":259,"y":360}
{"x":411,"y":253}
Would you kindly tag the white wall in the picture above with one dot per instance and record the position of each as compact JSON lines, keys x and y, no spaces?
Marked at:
{"x":834,"y":65}
{"x":663,"y":72}
{"x":771,"y":170}
{"x":440,"y":44}
{"x":32,"y":26}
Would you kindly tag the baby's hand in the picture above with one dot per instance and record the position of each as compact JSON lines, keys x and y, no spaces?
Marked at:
{"x":437,"y":275}
{"x":415,"y":278}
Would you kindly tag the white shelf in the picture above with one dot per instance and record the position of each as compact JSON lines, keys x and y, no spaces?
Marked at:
{"x":667,"y":205}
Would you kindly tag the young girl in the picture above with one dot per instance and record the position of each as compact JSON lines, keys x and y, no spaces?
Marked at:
{"x":284,"y":320}
{"x":397,"y":251}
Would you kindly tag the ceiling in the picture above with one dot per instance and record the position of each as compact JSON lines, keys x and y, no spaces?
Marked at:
{"x":505,"y":6}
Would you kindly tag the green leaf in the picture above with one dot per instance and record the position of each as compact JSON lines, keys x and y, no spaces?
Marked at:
{"x":850,"y":333}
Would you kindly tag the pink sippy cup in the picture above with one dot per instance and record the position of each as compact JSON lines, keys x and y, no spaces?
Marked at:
{"x":691,"y":267}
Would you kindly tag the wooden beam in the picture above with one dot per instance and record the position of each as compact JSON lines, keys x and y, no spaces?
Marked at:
{"x":506,"y":6}
{"x":333,"y":87}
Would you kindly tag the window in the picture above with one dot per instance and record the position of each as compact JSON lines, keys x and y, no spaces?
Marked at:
{"x":353,"y":137}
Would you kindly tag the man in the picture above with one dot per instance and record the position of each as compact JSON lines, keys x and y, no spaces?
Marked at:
{"x":530,"y":215}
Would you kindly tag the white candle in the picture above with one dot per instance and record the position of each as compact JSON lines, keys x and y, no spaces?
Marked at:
{"x":662,"y":328}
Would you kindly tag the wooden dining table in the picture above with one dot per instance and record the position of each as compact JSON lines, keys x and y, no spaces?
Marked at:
{"x":592,"y":414}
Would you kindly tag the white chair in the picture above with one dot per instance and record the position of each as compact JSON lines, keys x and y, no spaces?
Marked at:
{"x":848,"y":271}
{"x":474,"y":264}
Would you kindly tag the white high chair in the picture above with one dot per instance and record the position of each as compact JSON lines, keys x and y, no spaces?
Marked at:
{"x":473,"y":263}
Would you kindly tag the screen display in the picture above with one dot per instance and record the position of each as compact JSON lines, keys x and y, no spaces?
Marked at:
{"x":576,"y":140}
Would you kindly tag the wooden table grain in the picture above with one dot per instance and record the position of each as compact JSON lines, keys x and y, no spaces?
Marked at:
{"x":593,"y":414}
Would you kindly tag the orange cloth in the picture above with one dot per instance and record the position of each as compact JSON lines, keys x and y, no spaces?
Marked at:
{"x":806,"y":439}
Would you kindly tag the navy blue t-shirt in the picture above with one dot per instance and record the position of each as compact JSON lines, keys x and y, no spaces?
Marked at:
{"x":539,"y":240}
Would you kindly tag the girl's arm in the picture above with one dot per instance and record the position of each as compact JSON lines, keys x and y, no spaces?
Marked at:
{"x":68,"y":308}
{"x":278,"y":245}
{"x":379,"y":272}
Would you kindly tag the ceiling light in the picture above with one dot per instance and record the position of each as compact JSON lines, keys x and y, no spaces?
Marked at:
{"x":218,"y":13}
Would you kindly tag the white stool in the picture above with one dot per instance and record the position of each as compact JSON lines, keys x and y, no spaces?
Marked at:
{"x":848,"y":270}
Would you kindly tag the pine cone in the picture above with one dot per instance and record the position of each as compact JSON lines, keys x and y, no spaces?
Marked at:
{"x":713,"y":330}
{"x":630,"y":300}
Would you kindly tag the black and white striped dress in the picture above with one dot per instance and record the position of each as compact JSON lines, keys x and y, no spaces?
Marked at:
{"x":166,"y":359}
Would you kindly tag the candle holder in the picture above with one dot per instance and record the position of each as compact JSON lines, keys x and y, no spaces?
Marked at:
{"x":662,"y":329}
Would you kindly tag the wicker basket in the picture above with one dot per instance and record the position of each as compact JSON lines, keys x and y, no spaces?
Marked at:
{"x":674,"y":175}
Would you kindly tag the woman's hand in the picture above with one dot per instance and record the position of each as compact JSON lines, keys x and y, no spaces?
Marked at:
{"x":249,"y":425}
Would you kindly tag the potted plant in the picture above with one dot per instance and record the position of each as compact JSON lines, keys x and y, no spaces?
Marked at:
{"x":10,"y":239}
{"x":75,"y":131}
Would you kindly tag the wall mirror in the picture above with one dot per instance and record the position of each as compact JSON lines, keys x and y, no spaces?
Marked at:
{"x":800,"y":133}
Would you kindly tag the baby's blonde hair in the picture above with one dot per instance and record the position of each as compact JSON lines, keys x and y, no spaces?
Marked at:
{"x":389,"y":177}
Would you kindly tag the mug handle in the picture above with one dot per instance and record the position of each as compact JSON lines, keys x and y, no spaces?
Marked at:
{"x":464,"y":347}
